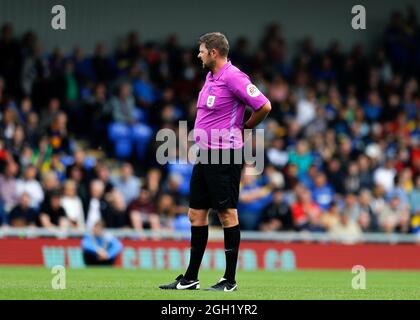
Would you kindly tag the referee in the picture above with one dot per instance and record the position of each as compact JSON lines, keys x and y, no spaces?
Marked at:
{"x":220,"y":108}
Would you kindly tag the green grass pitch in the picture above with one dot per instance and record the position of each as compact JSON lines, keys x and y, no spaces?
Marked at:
{"x":114,"y":283}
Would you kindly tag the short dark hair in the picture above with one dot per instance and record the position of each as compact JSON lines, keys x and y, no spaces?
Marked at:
{"x":216,"y":40}
{"x":56,"y":193}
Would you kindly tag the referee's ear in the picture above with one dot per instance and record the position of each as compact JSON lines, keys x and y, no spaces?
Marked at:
{"x":213,"y":52}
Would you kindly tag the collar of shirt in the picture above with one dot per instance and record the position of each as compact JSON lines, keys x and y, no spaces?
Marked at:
{"x":217,"y":76}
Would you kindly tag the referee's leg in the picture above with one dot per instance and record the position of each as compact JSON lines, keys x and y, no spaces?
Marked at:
{"x":232,"y":238}
{"x":199,"y":235}
{"x":230,"y":223}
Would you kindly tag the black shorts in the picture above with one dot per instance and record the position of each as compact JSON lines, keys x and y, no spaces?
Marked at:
{"x":216,"y":185}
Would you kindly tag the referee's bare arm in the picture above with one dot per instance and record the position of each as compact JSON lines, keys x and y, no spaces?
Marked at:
{"x":258,"y":116}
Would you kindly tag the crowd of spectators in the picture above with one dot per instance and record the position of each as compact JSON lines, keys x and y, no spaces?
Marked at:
{"x":342,"y":142}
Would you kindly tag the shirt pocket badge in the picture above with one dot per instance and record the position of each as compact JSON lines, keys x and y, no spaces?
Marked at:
{"x":210,"y":101}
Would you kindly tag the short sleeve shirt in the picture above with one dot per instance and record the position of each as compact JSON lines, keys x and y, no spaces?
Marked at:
{"x":221,"y":106}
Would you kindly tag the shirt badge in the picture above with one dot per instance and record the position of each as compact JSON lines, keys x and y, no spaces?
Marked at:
{"x":210,"y":101}
{"x":252,"y":90}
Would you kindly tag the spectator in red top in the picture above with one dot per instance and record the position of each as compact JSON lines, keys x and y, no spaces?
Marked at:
{"x":305,"y":212}
{"x":142,"y":212}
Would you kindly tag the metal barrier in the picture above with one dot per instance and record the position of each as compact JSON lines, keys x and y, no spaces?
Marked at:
{"x":279,"y":236}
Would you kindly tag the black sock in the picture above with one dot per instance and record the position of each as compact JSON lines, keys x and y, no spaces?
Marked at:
{"x":232,"y":240}
{"x":199,"y":236}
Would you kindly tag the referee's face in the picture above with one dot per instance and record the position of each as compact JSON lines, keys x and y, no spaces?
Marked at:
{"x":208,"y":61}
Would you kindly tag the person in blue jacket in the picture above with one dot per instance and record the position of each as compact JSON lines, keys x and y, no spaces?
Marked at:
{"x":99,"y":247}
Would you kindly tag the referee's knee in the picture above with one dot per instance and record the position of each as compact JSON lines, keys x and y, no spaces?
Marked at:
{"x":198,"y":217}
{"x":228,"y":218}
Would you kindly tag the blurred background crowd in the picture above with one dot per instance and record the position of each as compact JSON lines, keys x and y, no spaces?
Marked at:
{"x":342,"y":143}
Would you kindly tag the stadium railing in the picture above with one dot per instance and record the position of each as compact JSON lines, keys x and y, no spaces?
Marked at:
{"x":279,"y":236}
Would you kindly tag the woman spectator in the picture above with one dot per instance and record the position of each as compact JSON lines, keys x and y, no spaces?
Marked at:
{"x":72,"y":205}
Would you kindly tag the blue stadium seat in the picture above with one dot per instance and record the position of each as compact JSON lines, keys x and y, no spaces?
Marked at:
{"x":123,"y":148}
{"x":117,"y":131}
{"x":142,"y":135}
{"x":139,"y":115}
{"x":120,"y":136}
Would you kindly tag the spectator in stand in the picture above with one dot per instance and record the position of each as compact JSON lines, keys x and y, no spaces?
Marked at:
{"x":8,"y":124}
{"x":115,"y":215}
{"x":368,"y":220}
{"x":336,"y":175}
{"x":277,"y":215}
{"x":385,"y":175}
{"x":253,"y":197}
{"x":50,"y":184}
{"x":352,"y":181}
{"x":22,"y":215}
{"x":30,"y":185}
{"x":8,"y":188}
{"x":394,"y":217}
{"x":301,"y":157}
{"x":123,"y":107}
{"x":79,"y":158}
{"x":101,"y":64}
{"x":322,"y":193}
{"x":415,"y":223}
{"x":96,"y":207}
{"x":58,"y":134}
{"x":153,"y":181}
{"x":166,"y":210}
{"x":331,"y":218}
{"x":47,"y":116}
{"x":305,"y":212}
{"x":351,"y":206}
{"x":414,"y":196}
{"x":126,"y":183}
{"x":99,"y":247}
{"x":365,"y":172}
{"x":76,"y":174}
{"x":52,"y":214}
{"x":101,"y":172}
{"x":98,"y":115}
{"x":72,"y":205}
{"x":347,"y":229}
{"x":399,"y":190}
{"x":276,"y":153}
{"x":56,"y":166}
{"x":306,"y":108}
{"x":142,"y":212}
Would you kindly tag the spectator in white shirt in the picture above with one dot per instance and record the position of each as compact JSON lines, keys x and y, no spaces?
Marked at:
{"x":306,"y":109}
{"x":72,"y":205}
{"x":385,"y":176}
{"x":96,"y":204}
{"x":30,"y":185}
